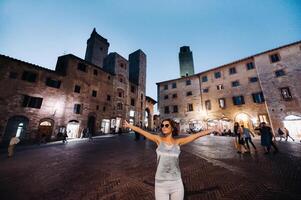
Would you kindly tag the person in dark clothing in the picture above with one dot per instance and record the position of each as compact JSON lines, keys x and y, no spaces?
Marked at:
{"x":64,"y":138}
{"x":267,"y":138}
{"x":281,"y":134}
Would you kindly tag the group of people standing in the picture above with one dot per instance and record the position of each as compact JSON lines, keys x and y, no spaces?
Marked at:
{"x":243,"y":138}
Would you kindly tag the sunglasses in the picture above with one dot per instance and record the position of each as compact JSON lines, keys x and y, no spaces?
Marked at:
{"x":166,"y":125}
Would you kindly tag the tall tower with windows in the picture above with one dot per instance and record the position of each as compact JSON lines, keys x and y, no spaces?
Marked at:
{"x":97,"y":49}
{"x":186,"y":61}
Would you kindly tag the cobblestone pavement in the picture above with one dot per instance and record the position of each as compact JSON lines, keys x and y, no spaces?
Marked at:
{"x":120,"y":168}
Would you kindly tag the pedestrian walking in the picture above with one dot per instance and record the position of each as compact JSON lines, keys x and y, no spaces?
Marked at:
{"x":89,"y":134}
{"x":287,"y":135}
{"x":64,"y":138}
{"x":11,"y":147}
{"x":168,"y":181}
{"x":247,"y":137}
{"x":267,"y":138}
{"x":281,"y":134}
{"x":239,"y":140}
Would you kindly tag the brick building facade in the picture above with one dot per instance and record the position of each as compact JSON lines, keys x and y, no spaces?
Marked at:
{"x":258,"y":88}
{"x":98,"y":92}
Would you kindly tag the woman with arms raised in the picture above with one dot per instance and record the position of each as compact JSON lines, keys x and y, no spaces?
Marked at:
{"x":168,"y":181}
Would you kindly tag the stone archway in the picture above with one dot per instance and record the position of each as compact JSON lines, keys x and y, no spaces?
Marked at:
{"x":244,"y":119}
{"x":16,"y":126}
{"x":91,"y":124}
{"x":73,"y":129}
{"x":293,"y":125}
{"x":45,"y":128}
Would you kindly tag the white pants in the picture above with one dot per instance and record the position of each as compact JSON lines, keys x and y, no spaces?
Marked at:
{"x":169,"y":190}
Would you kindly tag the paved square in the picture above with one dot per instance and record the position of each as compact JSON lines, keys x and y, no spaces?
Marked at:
{"x":120,"y":168}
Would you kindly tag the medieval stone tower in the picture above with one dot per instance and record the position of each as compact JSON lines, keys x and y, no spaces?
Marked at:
{"x":186,"y":62}
{"x":97,"y":49}
{"x":137,"y":67}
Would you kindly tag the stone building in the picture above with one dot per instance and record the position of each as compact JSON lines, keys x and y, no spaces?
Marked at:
{"x":262,"y":87}
{"x":186,"y":62}
{"x":98,"y":93}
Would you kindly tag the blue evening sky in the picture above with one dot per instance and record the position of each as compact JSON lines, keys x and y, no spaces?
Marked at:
{"x":217,"y":31}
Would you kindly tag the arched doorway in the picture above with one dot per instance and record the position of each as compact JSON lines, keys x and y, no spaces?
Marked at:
{"x":293,"y":125}
{"x":45,"y":128}
{"x":16,"y":126}
{"x":91,"y":124}
{"x":244,"y":119}
{"x":73,"y":129}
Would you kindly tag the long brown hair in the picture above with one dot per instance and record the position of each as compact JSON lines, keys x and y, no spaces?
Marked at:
{"x":172,"y":124}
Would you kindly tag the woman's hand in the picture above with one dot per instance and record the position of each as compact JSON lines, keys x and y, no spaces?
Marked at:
{"x":125,"y":124}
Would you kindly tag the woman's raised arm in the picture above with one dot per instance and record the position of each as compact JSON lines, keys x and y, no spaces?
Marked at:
{"x":154,"y":138}
{"x":185,"y":140}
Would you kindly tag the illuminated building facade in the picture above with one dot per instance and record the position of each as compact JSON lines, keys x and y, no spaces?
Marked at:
{"x":263,"y":87}
{"x":96,"y":93}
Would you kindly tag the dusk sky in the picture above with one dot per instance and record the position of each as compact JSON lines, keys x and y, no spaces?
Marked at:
{"x":218,"y":32}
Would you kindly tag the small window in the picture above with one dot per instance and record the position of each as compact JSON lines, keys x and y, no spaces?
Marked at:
{"x":108,"y":98}
{"x":77,"y":108}
{"x":174,"y":96}
{"x":274,"y":58}
{"x":175,"y":109}
{"x":82,"y":67}
{"x":235,"y":83}
{"x":208,"y":104}
{"x":32,"y":102}
{"x":220,"y":87}
{"x":232,"y":70}
{"x":119,"y":106}
{"x":279,"y":73}
{"x":222,"y":103}
{"x":109,"y":77}
{"x":166,"y":110}
{"x":217,"y":75}
{"x":250,"y":66}
{"x":95,"y":72}
{"x":204,"y":79}
{"x":132,"y":102}
{"x":165,"y":87}
{"x":94,"y":93}
{"x":258,"y":97}
{"x":286,"y":93}
{"x":190,"y":107}
{"x":13,"y":75}
{"x":104,"y":109}
{"x":166,"y":97}
{"x":188,"y":82}
{"x":205,"y":90}
{"x":238,"y":100}
{"x":253,"y":79}
{"x":97,"y":107}
{"x":189,"y":93}
{"x":77,"y":89}
{"x":174,"y":85}
{"x":141,"y":97}
{"x":53,"y":83}
{"x":29,"y":76}
{"x":120,"y":79}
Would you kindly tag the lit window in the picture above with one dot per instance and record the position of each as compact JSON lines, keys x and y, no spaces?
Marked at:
{"x":221,"y":103}
{"x":220,"y":87}
{"x":286,"y":94}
